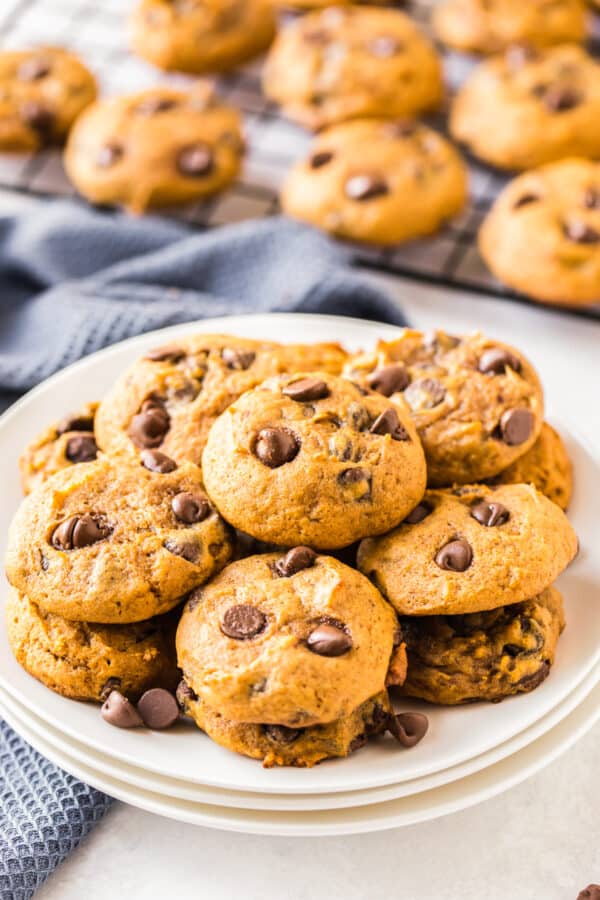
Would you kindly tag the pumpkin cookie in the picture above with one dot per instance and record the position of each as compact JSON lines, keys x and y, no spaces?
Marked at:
{"x":85,"y":661}
{"x":200,"y":36}
{"x":378,"y":181}
{"x":351,"y":62}
{"x":314,"y":460}
{"x":61,"y":445}
{"x":470,"y":549}
{"x":171,"y":396}
{"x":546,"y":465}
{"x":486,"y":26}
{"x":477,"y":403}
{"x":42,"y":91}
{"x":156,"y":148}
{"x":295,"y":639}
{"x":112,"y":543}
{"x":483,"y":656}
{"x":542,"y":235}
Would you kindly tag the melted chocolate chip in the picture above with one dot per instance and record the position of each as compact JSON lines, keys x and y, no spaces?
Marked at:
{"x":490,"y":514}
{"x":75,"y":423}
{"x":79,"y":531}
{"x":530,"y":682}
{"x":525,"y":200}
{"x":166,"y":353}
{"x":389,"y":423}
{"x":329,"y":640}
{"x":426,"y":393}
{"x":389,"y":380}
{"x":38,"y":117}
{"x":235,"y":358}
{"x":281,"y":734}
{"x":81,"y":448}
{"x":408,"y":728}
{"x":420,"y":512}
{"x":158,"y":708}
{"x":400,"y":129}
{"x":581,"y":233}
{"x":188,"y":550}
{"x":320,"y":158}
{"x":243,"y":622}
{"x":516,"y":426}
{"x":196,"y":160}
{"x":149,"y":427}
{"x":295,"y":560}
{"x":496,"y":361}
{"x":455,"y":556}
{"x":305,"y":390}
{"x":118,"y":711}
{"x":365,"y":187}
{"x":184,"y":693}
{"x":111,"y":684}
{"x":355,"y":479}
{"x":561,"y":98}
{"x":275,"y":446}
{"x":152,"y":105}
{"x":33,"y":69}
{"x":108,"y":155}
{"x":158,"y":462}
{"x":190,"y":508}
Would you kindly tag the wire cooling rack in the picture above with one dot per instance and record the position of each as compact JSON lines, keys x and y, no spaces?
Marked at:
{"x":96,"y":29}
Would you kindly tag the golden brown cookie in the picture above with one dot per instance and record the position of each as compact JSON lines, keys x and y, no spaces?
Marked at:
{"x":486,"y":26}
{"x":295,"y":639}
{"x":377,"y":181}
{"x":477,"y":403}
{"x":470,"y":549}
{"x":351,"y":62}
{"x":483,"y":656}
{"x":313,"y":460}
{"x":546,"y":465}
{"x":157,"y":148}
{"x":200,"y":36}
{"x":170,"y":397}
{"x":115,"y":543}
{"x":86,"y":661}
{"x":530,"y":107}
{"x":42,"y":91}
{"x":59,"y":446}
{"x":542,"y":235}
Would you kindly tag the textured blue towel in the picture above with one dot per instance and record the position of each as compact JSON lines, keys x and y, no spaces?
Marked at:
{"x":73,"y":281}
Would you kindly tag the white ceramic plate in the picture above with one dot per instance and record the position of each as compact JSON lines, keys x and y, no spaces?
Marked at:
{"x":421,"y":807}
{"x":455,"y":735}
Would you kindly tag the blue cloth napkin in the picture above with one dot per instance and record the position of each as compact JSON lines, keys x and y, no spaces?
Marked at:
{"x":73,"y":280}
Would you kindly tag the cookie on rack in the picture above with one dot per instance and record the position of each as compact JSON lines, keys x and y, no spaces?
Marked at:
{"x":546,"y":465}
{"x":85,"y":661}
{"x":115,"y":543}
{"x":314,"y":459}
{"x":483,"y":656}
{"x":197,"y":36}
{"x":292,"y":639}
{"x":470,"y":549}
{"x":171,"y":396}
{"x":530,"y":107}
{"x":477,"y":403}
{"x":542,"y":235}
{"x":61,"y":445}
{"x":350,"y":62}
{"x":378,"y":181}
{"x":42,"y":91}
{"x":488,"y":26}
{"x":156,"y":148}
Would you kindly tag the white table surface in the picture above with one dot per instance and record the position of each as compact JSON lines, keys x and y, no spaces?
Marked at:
{"x":539,"y":840}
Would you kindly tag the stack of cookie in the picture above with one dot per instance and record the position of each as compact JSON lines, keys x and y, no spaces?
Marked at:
{"x":349,"y":576}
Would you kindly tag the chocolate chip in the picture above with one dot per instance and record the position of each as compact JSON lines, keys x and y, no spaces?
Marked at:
{"x":166,"y":353}
{"x":75,"y":423}
{"x":560,"y":98}
{"x":591,"y":892}
{"x":79,"y":531}
{"x":591,"y":198}
{"x":306,"y":389}
{"x":149,"y":427}
{"x":358,"y":416}
{"x":408,"y":728}
{"x":420,"y":512}
{"x":426,"y":393}
{"x":490,"y":514}
{"x":389,"y":380}
{"x":400,"y":129}
{"x":118,"y":711}
{"x":320,"y":158}
{"x":282,"y":734}
{"x":530,"y":682}
{"x":158,"y":708}
{"x":149,"y":106}
{"x":38,"y":117}
{"x":111,"y":684}
{"x":188,"y":550}
{"x":195,"y":160}
{"x":243,"y":622}
{"x":365,"y":187}
{"x":81,"y":448}
{"x":108,"y":155}
{"x":516,"y":426}
{"x":275,"y":446}
{"x":455,"y":556}
{"x":496,"y":361}
{"x":158,"y":462}
{"x":384,"y":46}
{"x":581,"y":233}
{"x":184,"y":693}
{"x":295,"y":560}
{"x":389,"y":423}
{"x":525,"y":200}
{"x":329,"y":640}
{"x":354,"y":478}
{"x":190,"y":508}
{"x":235,"y":358}
{"x":33,"y":69}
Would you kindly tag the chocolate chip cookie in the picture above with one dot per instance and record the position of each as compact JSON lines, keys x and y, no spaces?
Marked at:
{"x":197,"y":36}
{"x":314,"y":459}
{"x":171,"y":396}
{"x":292,"y":639}
{"x":470,"y":549}
{"x":483,"y":656}
{"x":42,"y":91}
{"x":377,"y":180}
{"x":86,"y":661}
{"x":59,"y":446}
{"x":347,"y":62}
{"x":477,"y":403}
{"x":542,"y":235}
{"x":157,"y":148}
{"x":111,"y":543}
{"x":546,"y":465}
{"x":530,"y":107}
{"x":486,"y":26}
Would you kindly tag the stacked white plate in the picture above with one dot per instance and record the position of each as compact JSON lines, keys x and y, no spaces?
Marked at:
{"x":470,"y":753}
